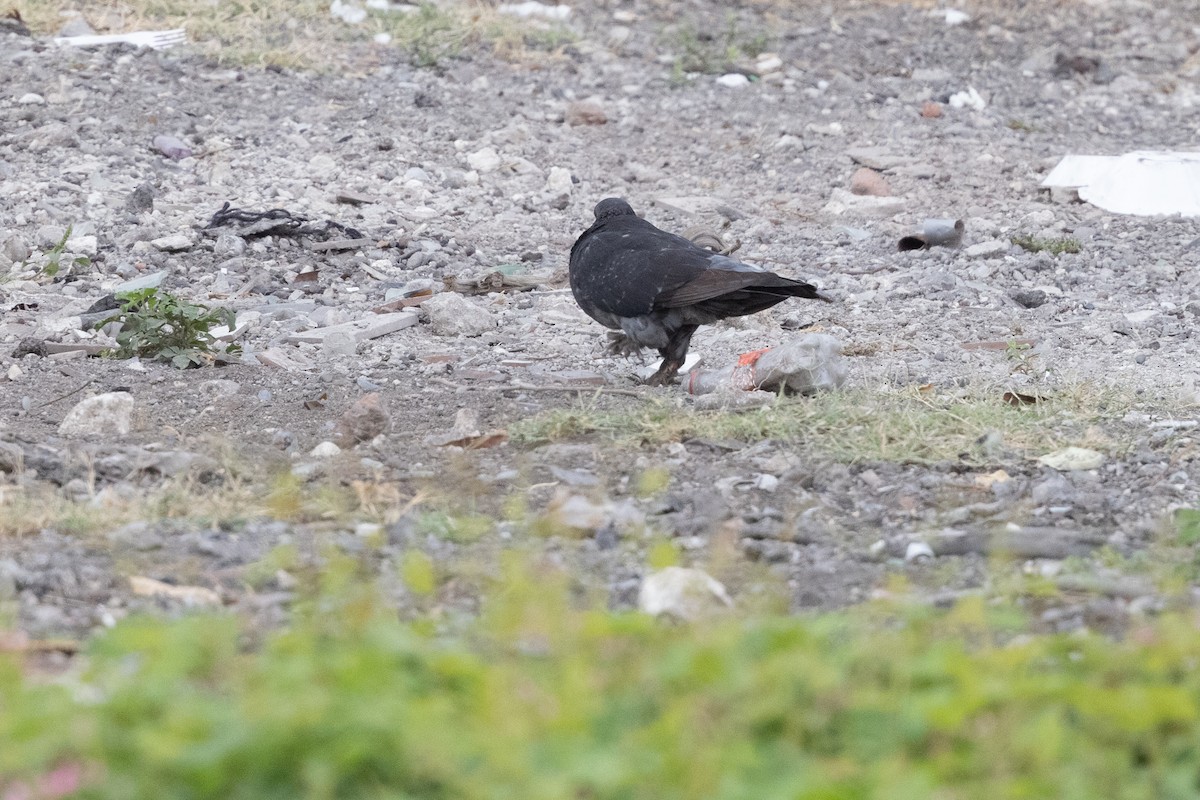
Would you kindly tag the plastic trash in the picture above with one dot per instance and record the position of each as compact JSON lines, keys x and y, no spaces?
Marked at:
{"x":803,"y":365}
{"x":1142,"y":183}
{"x":935,"y":232}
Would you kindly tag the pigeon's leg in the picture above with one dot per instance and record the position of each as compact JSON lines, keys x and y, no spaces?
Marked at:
{"x":621,"y":344}
{"x":673,"y":356}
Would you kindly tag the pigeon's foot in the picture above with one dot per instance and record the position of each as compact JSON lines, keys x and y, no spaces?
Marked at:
{"x":621,"y":344}
{"x":666,"y":374}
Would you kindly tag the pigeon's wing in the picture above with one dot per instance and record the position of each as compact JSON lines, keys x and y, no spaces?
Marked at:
{"x":626,"y":269}
{"x":720,"y":275}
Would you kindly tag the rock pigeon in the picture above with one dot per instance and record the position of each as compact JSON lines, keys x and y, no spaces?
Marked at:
{"x":657,"y":288}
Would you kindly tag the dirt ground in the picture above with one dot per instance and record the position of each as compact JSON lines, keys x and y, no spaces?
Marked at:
{"x":477,"y":166}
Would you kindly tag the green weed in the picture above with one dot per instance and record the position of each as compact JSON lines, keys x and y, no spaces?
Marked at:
{"x":711,"y":52}
{"x":52,"y":261}
{"x":1054,"y":247}
{"x":544,"y":698}
{"x":161,"y":326}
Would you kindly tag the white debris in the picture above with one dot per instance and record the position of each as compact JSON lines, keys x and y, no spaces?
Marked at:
{"x":347,"y":12}
{"x":918,"y":552}
{"x":1141,"y":183}
{"x":686,"y":594}
{"x":968,"y":99}
{"x":532,"y":8}
{"x":560,"y":180}
{"x":733,"y":80}
{"x":952,"y":16}
{"x":484,"y":160}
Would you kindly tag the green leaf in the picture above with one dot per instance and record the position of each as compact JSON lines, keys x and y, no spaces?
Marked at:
{"x":1187,"y":522}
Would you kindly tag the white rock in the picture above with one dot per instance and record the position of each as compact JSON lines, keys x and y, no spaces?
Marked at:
{"x":323,"y":166}
{"x":83,"y":245}
{"x":559,"y":180}
{"x":992,"y":247}
{"x":686,"y":594}
{"x":451,"y":314}
{"x":347,"y":12}
{"x":766,"y":482}
{"x":952,"y":16}
{"x":733,"y":80}
{"x":842,"y":201}
{"x":1138,"y":317}
{"x":484,"y":160}
{"x":14,"y":373}
{"x":767,"y":63}
{"x":107,"y":414}
{"x":325,"y":450}
{"x":532,"y":8}
{"x":32,"y":99}
{"x":1073,"y":458}
{"x":173,"y":243}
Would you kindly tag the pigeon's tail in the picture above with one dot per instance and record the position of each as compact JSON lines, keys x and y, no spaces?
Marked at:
{"x":753,"y":299}
{"x":786,"y":287}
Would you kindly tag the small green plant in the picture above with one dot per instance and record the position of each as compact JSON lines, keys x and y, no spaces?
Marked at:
{"x":162,"y":326}
{"x":1021,"y":125}
{"x":1187,"y":524}
{"x":455,"y":528}
{"x":1021,"y":355}
{"x":1036,"y":244}
{"x":430,"y":34}
{"x":712,"y":52}
{"x":54,"y":257}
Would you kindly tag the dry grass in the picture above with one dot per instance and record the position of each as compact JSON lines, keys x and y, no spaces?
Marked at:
{"x":28,"y":509}
{"x":303,"y":34}
{"x":906,"y":426}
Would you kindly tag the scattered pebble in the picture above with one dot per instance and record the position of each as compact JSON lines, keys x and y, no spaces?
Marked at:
{"x":733,"y":80}
{"x":451,"y":314}
{"x":867,"y":181}
{"x":586,"y":112}
{"x":364,"y":420}
{"x":682,"y":593}
{"x":108,"y":414}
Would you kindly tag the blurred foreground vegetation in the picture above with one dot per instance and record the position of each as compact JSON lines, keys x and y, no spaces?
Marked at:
{"x":544,"y":696}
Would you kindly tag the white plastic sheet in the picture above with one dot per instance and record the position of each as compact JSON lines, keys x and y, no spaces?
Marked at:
{"x":1143,"y":183}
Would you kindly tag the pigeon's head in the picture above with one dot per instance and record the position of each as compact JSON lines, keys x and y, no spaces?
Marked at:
{"x":613,"y":207}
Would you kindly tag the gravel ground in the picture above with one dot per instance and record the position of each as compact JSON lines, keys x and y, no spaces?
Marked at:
{"x":484,"y":170}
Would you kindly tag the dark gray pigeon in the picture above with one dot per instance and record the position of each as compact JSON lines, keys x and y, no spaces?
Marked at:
{"x":657,"y":288}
